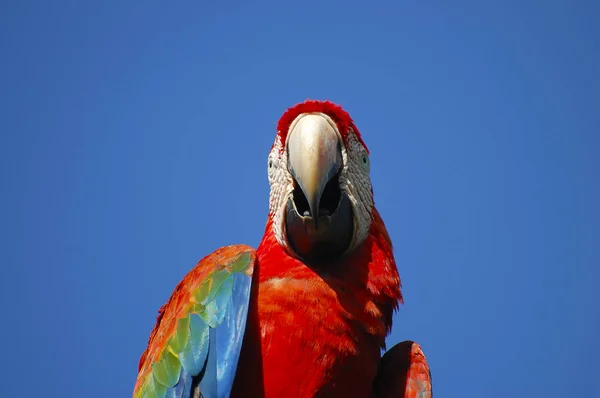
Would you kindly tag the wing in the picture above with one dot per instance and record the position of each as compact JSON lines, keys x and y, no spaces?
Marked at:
{"x":403,"y":373}
{"x":194,"y":347}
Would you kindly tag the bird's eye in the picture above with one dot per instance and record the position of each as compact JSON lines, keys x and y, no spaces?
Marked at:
{"x":365,"y":162}
{"x":271,"y":170}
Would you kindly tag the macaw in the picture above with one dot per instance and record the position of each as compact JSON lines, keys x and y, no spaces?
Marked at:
{"x":307,"y":313}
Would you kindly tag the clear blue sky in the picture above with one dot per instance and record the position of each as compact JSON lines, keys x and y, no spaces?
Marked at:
{"x":134,"y":138}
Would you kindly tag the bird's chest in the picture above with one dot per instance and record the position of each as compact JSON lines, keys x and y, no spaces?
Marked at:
{"x":311,"y":342}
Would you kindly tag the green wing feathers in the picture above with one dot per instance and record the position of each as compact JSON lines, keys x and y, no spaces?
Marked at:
{"x":179,"y":345}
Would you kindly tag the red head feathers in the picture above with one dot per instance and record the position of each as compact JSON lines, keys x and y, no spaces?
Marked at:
{"x":341,"y":118}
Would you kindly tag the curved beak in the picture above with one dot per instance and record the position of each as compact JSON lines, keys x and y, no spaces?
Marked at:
{"x":314,"y":157}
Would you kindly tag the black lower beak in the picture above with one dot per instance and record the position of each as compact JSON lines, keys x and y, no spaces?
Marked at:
{"x":329,"y":241}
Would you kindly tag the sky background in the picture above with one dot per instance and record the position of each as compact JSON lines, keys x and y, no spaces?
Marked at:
{"x":134,"y":138}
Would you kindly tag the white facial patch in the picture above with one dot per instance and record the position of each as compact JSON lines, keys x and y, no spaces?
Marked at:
{"x":354,"y":181}
{"x":282,"y":186}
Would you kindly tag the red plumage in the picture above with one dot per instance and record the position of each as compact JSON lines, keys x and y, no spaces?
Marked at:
{"x":319,"y":330}
{"x":403,"y":372}
{"x":316,"y":330}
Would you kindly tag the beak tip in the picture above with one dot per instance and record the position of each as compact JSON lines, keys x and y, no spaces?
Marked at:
{"x":314,"y":212}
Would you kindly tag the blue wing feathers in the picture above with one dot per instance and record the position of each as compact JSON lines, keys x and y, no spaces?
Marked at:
{"x":210,"y":340}
{"x":230,"y":333}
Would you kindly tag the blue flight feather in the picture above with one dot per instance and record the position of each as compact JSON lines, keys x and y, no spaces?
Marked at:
{"x":213,"y":347}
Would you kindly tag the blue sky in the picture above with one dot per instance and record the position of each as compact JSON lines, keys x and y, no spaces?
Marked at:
{"x":134,"y":138}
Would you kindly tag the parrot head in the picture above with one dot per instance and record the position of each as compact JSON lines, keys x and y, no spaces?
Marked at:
{"x":321,"y":200}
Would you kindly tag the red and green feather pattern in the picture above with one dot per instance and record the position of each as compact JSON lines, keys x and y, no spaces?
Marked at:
{"x":200,"y":329}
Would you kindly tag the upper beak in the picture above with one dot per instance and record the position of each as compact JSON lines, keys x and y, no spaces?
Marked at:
{"x":314,"y":157}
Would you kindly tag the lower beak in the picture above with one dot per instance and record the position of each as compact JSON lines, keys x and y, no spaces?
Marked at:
{"x":314,"y":158}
